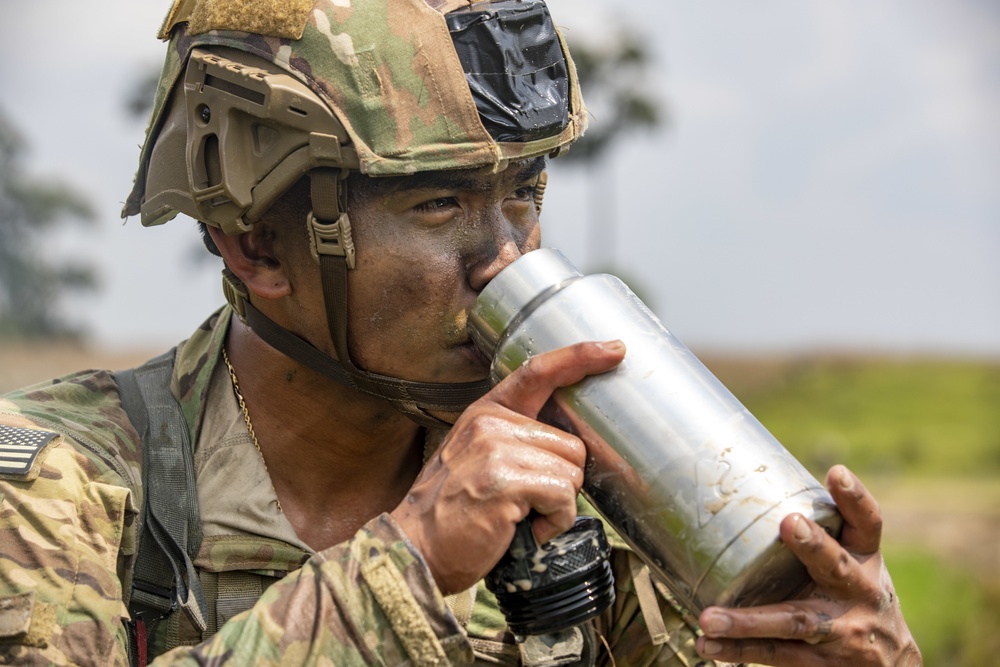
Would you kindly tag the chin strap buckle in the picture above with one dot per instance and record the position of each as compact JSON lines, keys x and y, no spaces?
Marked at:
{"x":328,"y":192}
{"x":236,"y":292}
{"x":331,"y":238}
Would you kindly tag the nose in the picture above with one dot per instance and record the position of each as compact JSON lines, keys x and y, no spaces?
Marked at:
{"x":493,"y":262}
{"x":501,"y":241}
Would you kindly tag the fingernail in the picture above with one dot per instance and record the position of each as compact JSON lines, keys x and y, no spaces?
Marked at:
{"x":717,"y":624}
{"x":846,"y":479}
{"x":802,"y":530}
{"x":711,"y":647}
{"x":612,"y":345}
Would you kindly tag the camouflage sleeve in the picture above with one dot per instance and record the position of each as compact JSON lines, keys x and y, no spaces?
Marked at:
{"x":61,"y":534}
{"x":368,"y":601}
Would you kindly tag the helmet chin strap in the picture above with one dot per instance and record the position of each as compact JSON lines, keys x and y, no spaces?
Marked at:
{"x":332,"y":244}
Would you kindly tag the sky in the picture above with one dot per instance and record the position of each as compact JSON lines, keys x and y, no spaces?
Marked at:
{"x":828,"y":178}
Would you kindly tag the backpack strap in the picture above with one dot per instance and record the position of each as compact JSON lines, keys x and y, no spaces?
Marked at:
{"x":169,"y":532}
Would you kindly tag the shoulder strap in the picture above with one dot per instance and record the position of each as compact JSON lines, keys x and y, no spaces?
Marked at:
{"x":170,"y":530}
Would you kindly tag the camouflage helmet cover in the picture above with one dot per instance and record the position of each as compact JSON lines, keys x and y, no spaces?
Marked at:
{"x":388,"y":70}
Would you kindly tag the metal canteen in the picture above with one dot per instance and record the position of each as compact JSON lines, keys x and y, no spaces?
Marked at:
{"x":690,"y":479}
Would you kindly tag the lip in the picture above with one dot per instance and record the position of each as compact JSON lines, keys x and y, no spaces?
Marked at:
{"x":474,"y":355}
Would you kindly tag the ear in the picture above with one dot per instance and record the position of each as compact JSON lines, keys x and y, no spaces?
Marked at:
{"x":251,"y":256}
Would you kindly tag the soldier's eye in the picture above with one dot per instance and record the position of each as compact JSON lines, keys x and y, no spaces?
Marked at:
{"x":525,"y":192}
{"x":437,"y":204}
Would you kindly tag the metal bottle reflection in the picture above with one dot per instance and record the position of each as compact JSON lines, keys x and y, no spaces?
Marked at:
{"x":686,"y":475}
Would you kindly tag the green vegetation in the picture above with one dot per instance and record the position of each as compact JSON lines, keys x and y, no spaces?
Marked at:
{"x":919,"y":417}
{"x":952,"y":614}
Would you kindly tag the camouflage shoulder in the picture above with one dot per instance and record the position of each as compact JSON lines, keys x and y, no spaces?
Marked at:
{"x":83,"y":410}
{"x":66,"y":517}
{"x":194,"y":365}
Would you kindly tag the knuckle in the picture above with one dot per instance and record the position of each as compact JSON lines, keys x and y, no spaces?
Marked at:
{"x":561,"y":495}
{"x":841,"y":568}
{"x":575,"y":479}
{"x":866,"y":654}
{"x":534,"y":367}
{"x":570,"y":491}
{"x":491,"y":469}
{"x":803,"y":624}
{"x":876,"y":594}
{"x":480,"y":422}
{"x":860,"y":642}
{"x":876,"y":521}
{"x":481,"y":428}
{"x":494,"y":477}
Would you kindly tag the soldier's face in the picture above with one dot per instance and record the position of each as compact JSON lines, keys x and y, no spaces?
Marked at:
{"x":426,"y":246}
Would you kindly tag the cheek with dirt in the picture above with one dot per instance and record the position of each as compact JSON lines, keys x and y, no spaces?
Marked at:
{"x":406,"y":317}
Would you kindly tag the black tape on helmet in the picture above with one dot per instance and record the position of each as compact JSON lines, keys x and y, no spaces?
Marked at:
{"x":515,"y":66}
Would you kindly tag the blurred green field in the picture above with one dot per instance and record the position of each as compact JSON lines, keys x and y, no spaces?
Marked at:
{"x":907,"y":417}
{"x":924,"y":435}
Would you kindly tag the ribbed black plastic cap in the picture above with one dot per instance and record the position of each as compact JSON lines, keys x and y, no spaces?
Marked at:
{"x":558,"y":585}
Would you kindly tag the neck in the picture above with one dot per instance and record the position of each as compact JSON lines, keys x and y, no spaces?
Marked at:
{"x":337,"y":457}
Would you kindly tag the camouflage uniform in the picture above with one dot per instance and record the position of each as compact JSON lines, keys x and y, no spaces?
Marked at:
{"x":67,"y":530}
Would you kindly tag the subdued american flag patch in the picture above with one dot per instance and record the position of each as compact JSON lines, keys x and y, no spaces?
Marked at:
{"x":19,"y":447}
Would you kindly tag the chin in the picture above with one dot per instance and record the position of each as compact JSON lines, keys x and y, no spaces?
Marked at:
{"x":474,"y":364}
{"x":458,"y":363}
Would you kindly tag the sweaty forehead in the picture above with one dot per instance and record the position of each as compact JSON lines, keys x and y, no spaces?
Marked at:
{"x":473,"y":180}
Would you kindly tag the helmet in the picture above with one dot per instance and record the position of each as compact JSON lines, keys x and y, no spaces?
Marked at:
{"x":256,"y":94}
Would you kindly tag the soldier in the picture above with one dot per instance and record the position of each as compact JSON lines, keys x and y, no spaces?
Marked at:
{"x":319,"y":474}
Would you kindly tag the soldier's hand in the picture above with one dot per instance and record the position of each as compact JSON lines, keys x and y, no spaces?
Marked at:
{"x":497,"y":464}
{"x":851,"y":616}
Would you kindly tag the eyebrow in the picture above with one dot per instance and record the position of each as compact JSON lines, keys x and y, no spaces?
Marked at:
{"x":531,"y":169}
{"x":465,"y":179}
